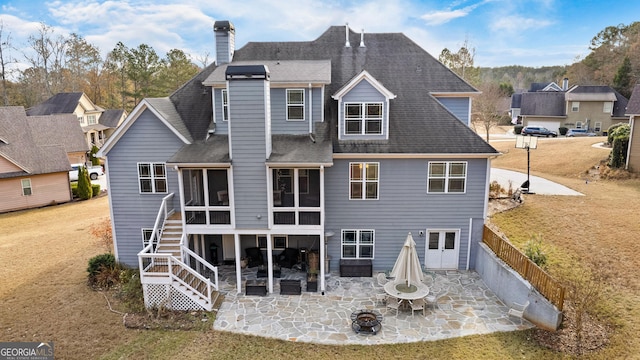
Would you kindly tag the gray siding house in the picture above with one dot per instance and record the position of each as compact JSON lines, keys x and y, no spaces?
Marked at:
{"x":339,"y":146}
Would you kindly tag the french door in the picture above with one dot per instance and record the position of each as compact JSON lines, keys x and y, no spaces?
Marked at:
{"x":442,"y":249}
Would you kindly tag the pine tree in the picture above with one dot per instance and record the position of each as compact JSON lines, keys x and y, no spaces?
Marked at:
{"x":622,"y":80}
{"x":85,"y":191}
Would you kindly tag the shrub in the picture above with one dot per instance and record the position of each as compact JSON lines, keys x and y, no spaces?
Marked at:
{"x":611,"y":132}
{"x":98,"y":261}
{"x":74,"y":189}
{"x":620,"y":136}
{"x":94,"y":160}
{"x":563,"y":130}
{"x":517,"y":129}
{"x":533,"y":250}
{"x":103,"y":233}
{"x":496,"y":190}
{"x":95,"y":190}
{"x":84,"y":184}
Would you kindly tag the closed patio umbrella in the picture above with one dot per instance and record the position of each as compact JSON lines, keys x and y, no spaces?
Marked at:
{"x":407,"y":268}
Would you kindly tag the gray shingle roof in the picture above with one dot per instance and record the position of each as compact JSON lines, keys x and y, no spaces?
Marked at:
{"x":419,"y":123}
{"x":165,"y":107}
{"x":620,"y":106}
{"x":214,"y":150}
{"x":633,"y":106}
{"x":22,"y":147}
{"x":62,"y":129}
{"x":542,"y":104}
{"x":110,"y":118}
{"x":591,"y":93}
{"x":313,"y":71}
{"x":192,"y":101}
{"x":61,"y":103}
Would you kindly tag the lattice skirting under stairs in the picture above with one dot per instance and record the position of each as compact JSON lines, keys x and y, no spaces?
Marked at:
{"x":165,"y":295}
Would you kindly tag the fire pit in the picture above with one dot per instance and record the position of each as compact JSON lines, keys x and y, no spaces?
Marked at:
{"x":366,"y":321}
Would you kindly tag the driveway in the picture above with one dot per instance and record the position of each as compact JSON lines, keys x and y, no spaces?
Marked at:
{"x":537,"y":184}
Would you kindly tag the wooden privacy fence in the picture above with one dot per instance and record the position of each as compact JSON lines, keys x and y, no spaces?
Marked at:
{"x":543,"y":282}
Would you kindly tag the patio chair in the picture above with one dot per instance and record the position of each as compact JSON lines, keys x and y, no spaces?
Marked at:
{"x":417,"y":304}
{"x":518,"y":309}
{"x":393,"y":303}
{"x":382,"y":279}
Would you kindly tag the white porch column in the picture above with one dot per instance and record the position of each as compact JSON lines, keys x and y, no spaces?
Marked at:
{"x":236,"y":238}
{"x":323,"y":253}
{"x":270,"y":261}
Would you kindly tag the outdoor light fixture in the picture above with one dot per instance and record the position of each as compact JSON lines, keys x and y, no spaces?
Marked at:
{"x":526,"y":142}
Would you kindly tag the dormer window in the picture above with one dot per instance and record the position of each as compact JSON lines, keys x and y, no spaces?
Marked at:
{"x":363,"y":109}
{"x":295,"y":104}
{"x":363,"y":118}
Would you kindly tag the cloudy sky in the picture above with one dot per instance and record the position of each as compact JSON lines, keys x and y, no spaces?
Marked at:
{"x":503,"y":32}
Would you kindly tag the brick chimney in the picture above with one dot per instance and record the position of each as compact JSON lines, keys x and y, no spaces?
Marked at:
{"x":225,"y":34}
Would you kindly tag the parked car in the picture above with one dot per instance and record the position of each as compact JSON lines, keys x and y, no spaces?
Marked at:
{"x":94,"y":172}
{"x":538,"y":131}
{"x":580,"y":132}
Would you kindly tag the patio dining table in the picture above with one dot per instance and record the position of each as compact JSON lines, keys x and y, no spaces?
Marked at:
{"x":401,"y":291}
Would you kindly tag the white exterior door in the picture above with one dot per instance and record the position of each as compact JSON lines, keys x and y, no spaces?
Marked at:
{"x":442,"y":249}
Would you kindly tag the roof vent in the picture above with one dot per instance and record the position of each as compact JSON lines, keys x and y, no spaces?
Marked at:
{"x":346,"y":35}
{"x":362,"y":38}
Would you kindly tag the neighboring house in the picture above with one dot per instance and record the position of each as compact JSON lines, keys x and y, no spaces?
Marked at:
{"x":593,"y":107}
{"x":341,"y":146}
{"x":516,"y":98}
{"x":97,"y":123}
{"x":633,"y":111}
{"x":34,"y":166}
{"x":61,"y":130}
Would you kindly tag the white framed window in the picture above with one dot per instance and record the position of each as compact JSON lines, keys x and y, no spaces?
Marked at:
{"x":146,"y":236}
{"x":607,"y":107}
{"x":358,"y":244}
{"x":597,"y":127}
{"x":578,"y":124}
{"x":80,"y":119}
{"x":447,"y":177}
{"x":261,"y":242}
{"x":575,"y":106}
{"x":91,"y":119}
{"x":362,"y":118}
{"x":26,"y":187}
{"x":295,"y":104}
{"x":225,"y":105}
{"x":364,"y":180}
{"x":280,"y":242}
{"x":152,"y":177}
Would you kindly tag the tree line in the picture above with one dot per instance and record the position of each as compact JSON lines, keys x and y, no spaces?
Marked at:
{"x":57,"y":63}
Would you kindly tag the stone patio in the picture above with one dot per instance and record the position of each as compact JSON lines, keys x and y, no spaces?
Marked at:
{"x":466,"y":307}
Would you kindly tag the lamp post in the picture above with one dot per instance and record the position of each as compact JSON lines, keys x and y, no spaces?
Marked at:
{"x":527,"y":142}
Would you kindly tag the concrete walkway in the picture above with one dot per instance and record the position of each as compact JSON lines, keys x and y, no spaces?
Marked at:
{"x":466,"y":307}
{"x":537,"y":185}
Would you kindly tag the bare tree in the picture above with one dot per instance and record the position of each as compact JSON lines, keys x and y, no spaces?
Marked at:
{"x":47,"y":58}
{"x":486,"y":107}
{"x":203,"y":59}
{"x":5,"y":60}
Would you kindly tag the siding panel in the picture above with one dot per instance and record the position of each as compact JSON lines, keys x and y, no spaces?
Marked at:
{"x":132,"y":210}
{"x":403,"y":206}
{"x":46,"y":189}
{"x":459,"y":106}
{"x":249,"y":109}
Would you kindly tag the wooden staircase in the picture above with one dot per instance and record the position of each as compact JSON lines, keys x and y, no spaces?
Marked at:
{"x":185,"y":279}
{"x":171,"y":234}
